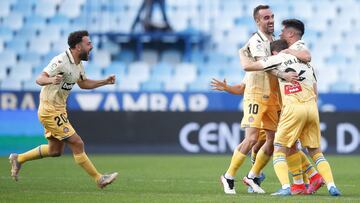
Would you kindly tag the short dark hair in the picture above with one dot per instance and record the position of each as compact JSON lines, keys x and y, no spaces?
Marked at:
{"x":278,"y":45}
{"x":76,"y":37}
{"x":296,"y":24}
{"x":257,"y":9}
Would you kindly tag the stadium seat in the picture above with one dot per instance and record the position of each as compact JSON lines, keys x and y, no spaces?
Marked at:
{"x":45,"y":8}
{"x":39,"y":45}
{"x":128,"y":85}
{"x":35,"y":21}
{"x":30,"y":85}
{"x":199,"y":85}
{"x":150,"y":57}
{"x":186,"y":72}
{"x":341,"y":86}
{"x":3,"y":72}
{"x":31,"y":58}
{"x":15,"y":21}
{"x":6,"y":34}
{"x":8,"y":58}
{"x":101,"y":58}
{"x":172,"y":57}
{"x":20,"y":71}
{"x":10,"y":84}
{"x":152,"y":86}
{"x":139,"y":71}
{"x":117,"y":68}
{"x":4,"y":8}
{"x":19,"y":45}
{"x":70,"y":8}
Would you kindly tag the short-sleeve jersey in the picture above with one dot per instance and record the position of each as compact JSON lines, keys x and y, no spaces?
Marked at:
{"x":261,"y":86}
{"x":302,"y":90}
{"x":64,"y":64}
{"x":299,"y":46}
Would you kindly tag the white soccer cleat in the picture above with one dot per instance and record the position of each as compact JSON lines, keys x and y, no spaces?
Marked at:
{"x":15,"y":166}
{"x":106,"y":180}
{"x":228,"y":184}
{"x":250,"y":182}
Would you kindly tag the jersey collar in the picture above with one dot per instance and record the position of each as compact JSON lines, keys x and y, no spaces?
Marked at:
{"x":70,"y":56}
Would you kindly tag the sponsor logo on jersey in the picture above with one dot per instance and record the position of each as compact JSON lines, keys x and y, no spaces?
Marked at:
{"x":293,"y":88}
{"x":67,"y":86}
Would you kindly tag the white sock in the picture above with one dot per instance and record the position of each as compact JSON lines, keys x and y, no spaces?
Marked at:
{"x":329,"y":185}
{"x":227,"y":176}
{"x":285,"y":186}
{"x":251,"y":175}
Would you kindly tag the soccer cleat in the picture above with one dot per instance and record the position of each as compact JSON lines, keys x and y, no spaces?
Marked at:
{"x":15,"y":166}
{"x":105,"y":180}
{"x":258,"y":181}
{"x":334,"y":191}
{"x":298,"y":189}
{"x":228,"y":184}
{"x":282,"y":192}
{"x":254,"y":185}
{"x":315,"y":183}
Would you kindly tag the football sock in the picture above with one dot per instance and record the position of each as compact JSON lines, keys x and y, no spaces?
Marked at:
{"x":323,"y":167}
{"x":294,"y":163}
{"x":261,"y":160}
{"x":237,"y":160}
{"x":83,"y":160}
{"x":253,"y":156}
{"x":307,"y":168}
{"x":33,"y":154}
{"x":281,"y":168}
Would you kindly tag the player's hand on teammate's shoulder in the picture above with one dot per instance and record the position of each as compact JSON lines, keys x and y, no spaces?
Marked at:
{"x":218,"y":85}
{"x":111,"y":79}
{"x":285,"y":51}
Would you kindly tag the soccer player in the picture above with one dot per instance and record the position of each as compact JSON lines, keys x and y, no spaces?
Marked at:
{"x":299,"y":118}
{"x":57,"y":79}
{"x":292,"y":32}
{"x":260,"y":103}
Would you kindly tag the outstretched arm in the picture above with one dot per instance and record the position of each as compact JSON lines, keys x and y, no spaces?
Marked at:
{"x":223,"y":86}
{"x":92,"y":84}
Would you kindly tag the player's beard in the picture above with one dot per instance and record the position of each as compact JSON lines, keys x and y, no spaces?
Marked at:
{"x":84,"y":56}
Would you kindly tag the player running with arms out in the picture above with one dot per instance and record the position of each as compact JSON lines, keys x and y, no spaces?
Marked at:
{"x":57,"y":80}
{"x":299,"y":118}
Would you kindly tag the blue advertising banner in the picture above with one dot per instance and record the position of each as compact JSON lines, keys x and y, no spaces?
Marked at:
{"x":160,"y":101}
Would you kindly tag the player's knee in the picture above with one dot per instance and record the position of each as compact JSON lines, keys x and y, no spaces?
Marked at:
{"x":252,"y":140}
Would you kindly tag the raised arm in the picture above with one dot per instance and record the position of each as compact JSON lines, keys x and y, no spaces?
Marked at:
{"x":92,"y":84}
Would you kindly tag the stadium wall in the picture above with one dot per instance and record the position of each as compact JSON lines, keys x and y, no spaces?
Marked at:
{"x":165,"y":132}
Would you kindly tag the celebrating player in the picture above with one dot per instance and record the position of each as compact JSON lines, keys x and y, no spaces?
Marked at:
{"x":57,"y":79}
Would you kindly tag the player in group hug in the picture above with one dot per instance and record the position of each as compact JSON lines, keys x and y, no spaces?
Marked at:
{"x":280,"y":107}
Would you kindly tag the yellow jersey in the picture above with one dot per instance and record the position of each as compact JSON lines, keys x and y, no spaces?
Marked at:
{"x":303,"y":89}
{"x":261,"y":86}
{"x":64,"y":64}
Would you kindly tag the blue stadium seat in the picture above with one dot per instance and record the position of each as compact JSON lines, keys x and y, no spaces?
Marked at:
{"x":20,"y":71}
{"x":152,"y":86}
{"x":139,"y":71}
{"x":35,"y":21}
{"x":199,"y":85}
{"x":116,"y":67}
{"x":4,"y":8}
{"x":40,"y":45}
{"x":128,"y":85}
{"x":172,"y":57}
{"x":8,"y":58}
{"x":30,"y":85}
{"x":341,"y":86}
{"x":70,"y":8}
{"x":10,"y":84}
{"x":3,"y":72}
{"x":27,"y":33}
{"x":6,"y":34}
{"x":45,"y":8}
{"x":19,"y":45}
{"x":15,"y":21}
{"x":32,"y":58}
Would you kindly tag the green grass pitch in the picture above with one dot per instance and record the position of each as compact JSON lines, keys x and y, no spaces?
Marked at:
{"x":158,"y":178}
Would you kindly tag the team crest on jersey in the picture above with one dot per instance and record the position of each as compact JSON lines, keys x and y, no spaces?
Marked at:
{"x":251,"y":119}
{"x":293,"y":88}
{"x":66,"y":130}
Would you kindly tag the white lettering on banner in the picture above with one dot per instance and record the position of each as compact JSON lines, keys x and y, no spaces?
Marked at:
{"x":28,"y":102}
{"x":212,"y":137}
{"x":207,"y":139}
{"x":198,"y":102}
{"x":8,"y":101}
{"x":89,"y":102}
{"x":184,"y":137}
{"x":129,"y":104}
{"x":158,"y":102}
{"x":342,"y":130}
{"x":323,"y":142}
{"x":177,"y":103}
{"x":111,"y":103}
